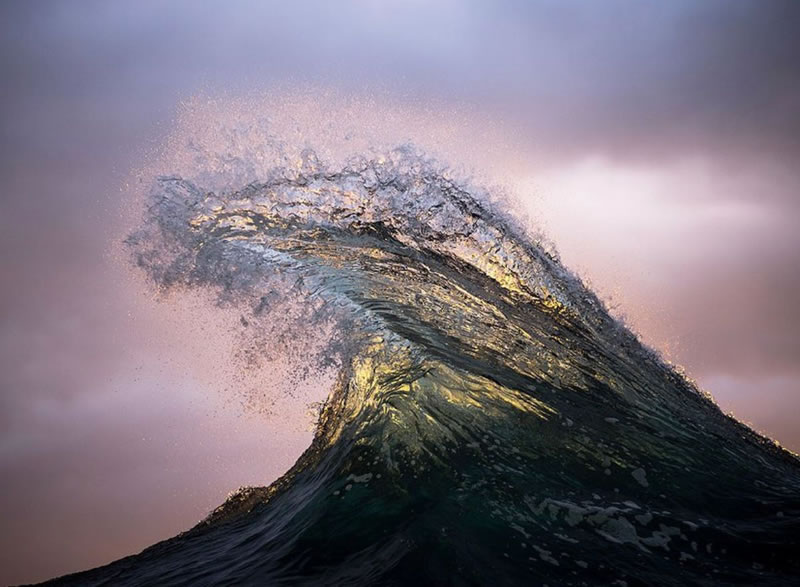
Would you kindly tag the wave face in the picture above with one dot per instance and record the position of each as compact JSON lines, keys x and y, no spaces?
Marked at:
{"x":492,"y":424}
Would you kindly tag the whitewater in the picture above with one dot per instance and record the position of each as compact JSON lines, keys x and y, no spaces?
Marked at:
{"x":491,"y":422}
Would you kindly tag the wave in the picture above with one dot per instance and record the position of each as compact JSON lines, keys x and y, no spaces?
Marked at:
{"x":491,"y":423}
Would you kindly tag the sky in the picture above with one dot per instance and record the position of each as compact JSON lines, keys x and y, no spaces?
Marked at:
{"x":655,"y":143}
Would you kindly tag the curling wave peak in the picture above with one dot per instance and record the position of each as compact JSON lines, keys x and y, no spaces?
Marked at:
{"x":491,"y":423}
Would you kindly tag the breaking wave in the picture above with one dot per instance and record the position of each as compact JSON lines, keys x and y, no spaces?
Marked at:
{"x":491,"y":423}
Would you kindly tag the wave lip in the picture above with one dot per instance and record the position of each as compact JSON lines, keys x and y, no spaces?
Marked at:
{"x":491,"y":422}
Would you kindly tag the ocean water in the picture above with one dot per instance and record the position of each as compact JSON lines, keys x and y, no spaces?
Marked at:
{"x":492,"y":424}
